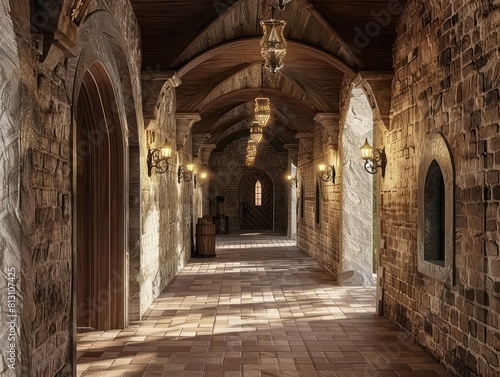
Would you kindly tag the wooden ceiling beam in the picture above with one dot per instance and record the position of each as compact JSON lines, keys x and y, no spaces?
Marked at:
{"x":329,"y":27}
{"x":252,"y":42}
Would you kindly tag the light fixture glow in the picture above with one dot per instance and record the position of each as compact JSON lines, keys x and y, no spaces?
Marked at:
{"x":185,"y":174}
{"x":292,"y":180}
{"x":200,"y":179}
{"x":366,"y":151}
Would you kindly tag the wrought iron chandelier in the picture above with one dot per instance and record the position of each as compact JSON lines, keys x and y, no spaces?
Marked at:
{"x":273,"y":42}
{"x":256,"y":131}
{"x":262,"y":110}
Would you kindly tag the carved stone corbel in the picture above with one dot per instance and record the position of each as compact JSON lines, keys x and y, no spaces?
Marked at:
{"x":293,"y":152}
{"x":153,"y":85}
{"x":198,"y":140}
{"x":184,"y":123}
{"x":206,"y":152}
{"x":331,"y":126}
{"x":306,"y":141}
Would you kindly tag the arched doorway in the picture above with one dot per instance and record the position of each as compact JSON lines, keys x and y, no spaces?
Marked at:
{"x":256,"y":201}
{"x":357,"y":195}
{"x":100,"y":194}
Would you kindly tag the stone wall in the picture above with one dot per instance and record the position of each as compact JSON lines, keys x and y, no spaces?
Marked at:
{"x":12,"y":353}
{"x":446,"y":80}
{"x":37,"y":197}
{"x":45,"y":335}
{"x":228,"y":168}
{"x":320,"y":240}
{"x":166,"y":210}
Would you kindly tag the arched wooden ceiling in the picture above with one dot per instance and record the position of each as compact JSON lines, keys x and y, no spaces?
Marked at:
{"x":214,"y":47}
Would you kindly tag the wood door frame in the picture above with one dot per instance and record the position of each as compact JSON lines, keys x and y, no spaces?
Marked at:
{"x":108,"y":284}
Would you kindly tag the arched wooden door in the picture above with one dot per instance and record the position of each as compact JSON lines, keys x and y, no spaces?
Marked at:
{"x":256,"y":201}
{"x":100,"y":205}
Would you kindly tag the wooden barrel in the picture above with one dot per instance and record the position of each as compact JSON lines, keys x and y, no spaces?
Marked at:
{"x":205,"y":240}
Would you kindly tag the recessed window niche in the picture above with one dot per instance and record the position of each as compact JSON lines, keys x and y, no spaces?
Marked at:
{"x":436,"y":254}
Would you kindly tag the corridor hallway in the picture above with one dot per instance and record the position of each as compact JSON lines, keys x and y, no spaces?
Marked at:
{"x":260,"y":308}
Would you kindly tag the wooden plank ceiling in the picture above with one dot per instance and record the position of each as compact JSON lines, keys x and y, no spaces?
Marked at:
{"x":214,"y":46}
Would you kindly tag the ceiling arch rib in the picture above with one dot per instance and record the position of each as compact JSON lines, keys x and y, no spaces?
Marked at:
{"x":276,"y":143}
{"x":255,"y":78}
{"x":278,"y":131}
{"x":199,"y":84}
{"x":278,"y":127}
{"x":291,"y":114}
{"x":279,"y":121}
{"x":247,"y":94}
{"x":248,"y":49}
{"x":304,"y":78}
{"x":302,"y":17}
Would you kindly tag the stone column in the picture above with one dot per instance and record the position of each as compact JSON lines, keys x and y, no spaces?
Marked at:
{"x":204,"y":157}
{"x":293,"y":158}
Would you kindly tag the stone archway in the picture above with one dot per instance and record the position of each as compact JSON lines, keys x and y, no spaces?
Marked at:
{"x":100,"y":198}
{"x":357,"y":195}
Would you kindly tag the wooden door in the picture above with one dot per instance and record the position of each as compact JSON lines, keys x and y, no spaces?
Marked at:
{"x":256,"y":202}
{"x":100,"y":206}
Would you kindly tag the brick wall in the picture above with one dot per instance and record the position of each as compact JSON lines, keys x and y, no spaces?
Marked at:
{"x":446,"y":79}
{"x":229,"y":167}
{"x":321,"y":241}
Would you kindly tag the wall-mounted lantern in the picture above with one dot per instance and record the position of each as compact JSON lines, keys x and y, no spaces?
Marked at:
{"x":200,"y":179}
{"x":374,"y":158}
{"x":327,"y":172}
{"x":158,"y":158}
{"x":185,"y":174}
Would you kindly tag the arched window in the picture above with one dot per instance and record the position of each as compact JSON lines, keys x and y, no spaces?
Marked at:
{"x":258,"y":194}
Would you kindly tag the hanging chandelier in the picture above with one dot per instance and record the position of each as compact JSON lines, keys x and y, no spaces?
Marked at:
{"x":256,"y":131}
{"x":262,"y":110}
{"x":273,"y":42}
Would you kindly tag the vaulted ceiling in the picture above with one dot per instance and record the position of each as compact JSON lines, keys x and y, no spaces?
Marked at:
{"x":214,"y":45}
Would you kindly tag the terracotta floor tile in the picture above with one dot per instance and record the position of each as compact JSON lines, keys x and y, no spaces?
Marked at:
{"x":260,"y":308}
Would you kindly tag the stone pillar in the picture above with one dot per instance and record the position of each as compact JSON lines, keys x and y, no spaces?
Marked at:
{"x":204,"y":157}
{"x":293,"y":158}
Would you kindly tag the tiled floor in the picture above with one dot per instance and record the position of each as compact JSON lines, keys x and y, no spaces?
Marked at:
{"x":256,"y":312}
